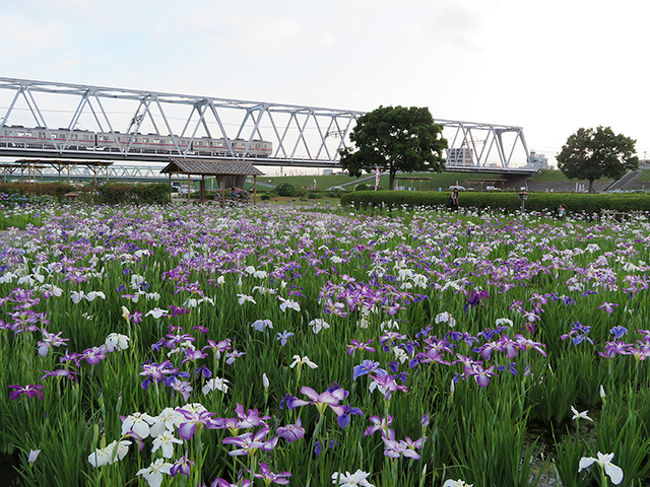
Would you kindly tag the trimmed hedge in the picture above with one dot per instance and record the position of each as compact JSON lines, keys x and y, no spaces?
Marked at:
{"x":116,"y":193}
{"x":509,"y":201}
{"x":37,"y":189}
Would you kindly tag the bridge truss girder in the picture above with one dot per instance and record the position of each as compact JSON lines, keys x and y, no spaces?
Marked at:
{"x":301,"y":135}
{"x":482,"y":139}
{"x":298,"y":133}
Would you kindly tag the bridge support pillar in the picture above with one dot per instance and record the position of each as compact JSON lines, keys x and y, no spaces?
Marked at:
{"x":515,"y":181}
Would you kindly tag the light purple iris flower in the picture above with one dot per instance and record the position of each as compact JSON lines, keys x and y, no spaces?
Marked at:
{"x":268,"y":476}
{"x":50,"y":340}
{"x":249,"y":443}
{"x":292,"y":432}
{"x":219,"y":482}
{"x":323,"y":400}
{"x":70,"y":374}
{"x":609,"y":307}
{"x":187,"y":429}
{"x":249,"y":419}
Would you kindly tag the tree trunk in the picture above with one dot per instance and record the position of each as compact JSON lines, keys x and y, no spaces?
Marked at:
{"x":591,"y":185}
{"x":391,"y":180}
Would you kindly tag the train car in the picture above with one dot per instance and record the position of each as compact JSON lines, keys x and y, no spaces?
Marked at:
{"x":38,"y":137}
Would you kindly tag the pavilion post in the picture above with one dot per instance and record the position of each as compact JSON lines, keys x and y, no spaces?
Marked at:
{"x":254,"y":189}
{"x":68,"y":169}
{"x":188,"y":188}
{"x":223,"y":191}
{"x":202,"y":189}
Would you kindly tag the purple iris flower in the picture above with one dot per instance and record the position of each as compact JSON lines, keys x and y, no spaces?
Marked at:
{"x":182,"y":466}
{"x":50,"y":340}
{"x":608,"y":307}
{"x":318,"y":447}
{"x":249,"y":419}
{"x":94,"y":355}
{"x":474,"y":299}
{"x":482,"y":375}
{"x":191,"y":355}
{"x":219,"y":482}
{"x":204,"y":371}
{"x":193,"y":419}
{"x":157,"y":372}
{"x":234,"y":355}
{"x":30,"y":390}
{"x":70,"y":374}
{"x":355,"y":345}
{"x":618,"y":332}
{"x":366,"y":367}
{"x":288,"y":401}
{"x":270,"y":477}
{"x":344,"y":419}
{"x":292,"y":432}
{"x":201,"y":329}
{"x":616,"y":348}
{"x":382,"y":425}
{"x":283,"y":337}
{"x":249,"y":443}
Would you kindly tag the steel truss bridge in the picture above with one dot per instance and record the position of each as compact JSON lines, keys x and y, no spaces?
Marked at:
{"x":302,"y":136}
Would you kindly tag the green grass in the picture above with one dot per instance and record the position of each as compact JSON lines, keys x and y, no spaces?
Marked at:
{"x":644,"y":177}
{"x":17,"y":221}
{"x":556,"y":176}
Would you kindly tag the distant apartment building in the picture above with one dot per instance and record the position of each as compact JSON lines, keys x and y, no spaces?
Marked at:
{"x":460,"y":157}
{"x":537,"y":161}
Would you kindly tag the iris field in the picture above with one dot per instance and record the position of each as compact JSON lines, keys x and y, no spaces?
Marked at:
{"x":188,"y":345}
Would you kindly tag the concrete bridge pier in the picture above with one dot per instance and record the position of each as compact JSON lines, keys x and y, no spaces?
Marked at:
{"x":515,"y":181}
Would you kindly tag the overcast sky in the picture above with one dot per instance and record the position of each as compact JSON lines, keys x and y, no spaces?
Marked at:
{"x":550,"y":66}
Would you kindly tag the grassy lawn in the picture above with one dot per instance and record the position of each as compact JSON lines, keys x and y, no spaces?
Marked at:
{"x":18,"y":221}
{"x":556,"y":176}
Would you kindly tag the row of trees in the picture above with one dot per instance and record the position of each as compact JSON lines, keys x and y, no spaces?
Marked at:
{"x":408,"y":139}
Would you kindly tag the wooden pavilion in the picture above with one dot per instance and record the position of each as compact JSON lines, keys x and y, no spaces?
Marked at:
{"x":226,"y":172}
{"x":60,"y":164}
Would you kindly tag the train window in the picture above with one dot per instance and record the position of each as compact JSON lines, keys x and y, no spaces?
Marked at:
{"x":144,"y":140}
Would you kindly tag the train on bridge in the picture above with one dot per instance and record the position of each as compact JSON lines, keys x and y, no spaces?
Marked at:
{"x":40,"y":138}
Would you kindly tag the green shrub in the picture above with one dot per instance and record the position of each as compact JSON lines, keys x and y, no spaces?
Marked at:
{"x":38,"y":189}
{"x":363,"y":187}
{"x":265,"y":197}
{"x":508,"y":201}
{"x":286,"y":189}
{"x":117,"y":193}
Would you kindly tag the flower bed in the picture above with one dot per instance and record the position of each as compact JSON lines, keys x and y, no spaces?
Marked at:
{"x":185,"y":345}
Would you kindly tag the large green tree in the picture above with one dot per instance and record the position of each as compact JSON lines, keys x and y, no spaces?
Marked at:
{"x":591,"y":154}
{"x":395,"y":139}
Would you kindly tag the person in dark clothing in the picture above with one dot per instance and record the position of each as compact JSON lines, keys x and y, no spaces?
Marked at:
{"x":453,"y":200}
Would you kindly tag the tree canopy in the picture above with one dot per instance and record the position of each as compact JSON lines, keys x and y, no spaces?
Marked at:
{"x":591,"y":154}
{"x":395,"y":139}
